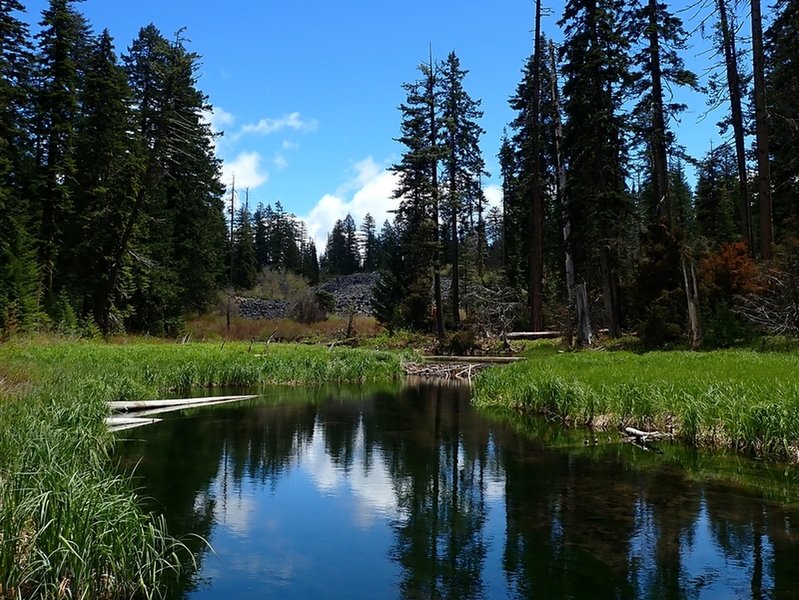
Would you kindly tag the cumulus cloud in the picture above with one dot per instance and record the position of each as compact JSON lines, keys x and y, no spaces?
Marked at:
{"x":369,"y":190}
{"x":218,"y":118}
{"x":248,"y":170}
{"x":493,"y":194}
{"x":291,"y":121}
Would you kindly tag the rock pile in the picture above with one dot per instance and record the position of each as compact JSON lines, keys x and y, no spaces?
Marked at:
{"x":352,"y":291}
{"x":348,"y":291}
{"x":256,"y":308}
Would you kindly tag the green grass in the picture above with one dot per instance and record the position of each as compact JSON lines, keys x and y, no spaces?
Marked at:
{"x":70,"y":526}
{"x":739,"y":399}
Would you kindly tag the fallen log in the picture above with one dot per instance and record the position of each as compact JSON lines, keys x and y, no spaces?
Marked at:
{"x":533,"y":335}
{"x":137,"y":405}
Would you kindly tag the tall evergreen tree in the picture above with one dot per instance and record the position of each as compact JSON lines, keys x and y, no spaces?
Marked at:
{"x":661,"y":36}
{"x":418,"y":192}
{"x":461,"y":160}
{"x":782,"y":70}
{"x":596,"y":68}
{"x":245,"y":264}
{"x":370,"y":243}
{"x":19,"y":276}
{"x":108,"y":170}
{"x":178,"y":212}
{"x":62,"y":50}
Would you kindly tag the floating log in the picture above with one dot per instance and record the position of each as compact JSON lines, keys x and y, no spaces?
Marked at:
{"x":533,"y":335}
{"x":117,"y":423}
{"x":140,"y":405}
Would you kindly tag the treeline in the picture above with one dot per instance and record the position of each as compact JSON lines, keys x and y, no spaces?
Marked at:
{"x":111,"y":209}
{"x":600,"y":228}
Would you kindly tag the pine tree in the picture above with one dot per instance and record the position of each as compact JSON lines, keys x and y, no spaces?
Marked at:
{"x":461,"y":160}
{"x":417,"y":218}
{"x":260,"y":218}
{"x":19,"y":275}
{"x":782,"y":82}
{"x":716,"y":193}
{"x":245,"y":265}
{"x":661,"y":36}
{"x":352,"y":254}
{"x":370,"y":243}
{"x":310,"y":262}
{"x":108,"y":170}
{"x":179,"y":199}
{"x":597,"y":74}
{"x":62,"y":50}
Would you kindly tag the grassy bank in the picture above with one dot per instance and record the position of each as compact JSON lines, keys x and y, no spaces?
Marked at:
{"x":69,"y":526}
{"x":744,"y":400}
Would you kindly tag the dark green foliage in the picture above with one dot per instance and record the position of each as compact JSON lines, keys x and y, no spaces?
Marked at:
{"x":19,"y":274}
{"x":782,"y":71}
{"x":723,"y":328}
{"x":62,"y":52}
{"x":245,"y":266}
{"x":598,"y":205}
{"x":370,"y":244}
{"x":715,"y":202}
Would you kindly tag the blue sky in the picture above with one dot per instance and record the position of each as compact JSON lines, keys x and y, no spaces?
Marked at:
{"x":307,"y":91}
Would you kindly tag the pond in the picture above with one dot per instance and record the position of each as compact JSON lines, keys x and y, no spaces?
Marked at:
{"x":408,"y":492}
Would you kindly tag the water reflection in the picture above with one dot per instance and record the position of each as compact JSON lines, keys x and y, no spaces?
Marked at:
{"x":410,"y":493}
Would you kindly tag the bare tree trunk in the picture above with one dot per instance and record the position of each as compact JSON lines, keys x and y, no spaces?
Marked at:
{"x":584,"y":334}
{"x":455,"y":289}
{"x":762,"y":135}
{"x":660,"y":181}
{"x":535,"y":290}
{"x":610,"y":292}
{"x":736,"y":113}
{"x":692,"y":297}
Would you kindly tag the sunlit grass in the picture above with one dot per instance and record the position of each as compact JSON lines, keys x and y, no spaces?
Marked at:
{"x":740,"y":399}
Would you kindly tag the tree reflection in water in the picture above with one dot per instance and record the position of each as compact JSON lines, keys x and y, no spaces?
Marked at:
{"x":412,"y":490}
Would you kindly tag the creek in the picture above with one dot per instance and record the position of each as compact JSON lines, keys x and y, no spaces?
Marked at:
{"x":408,"y":492}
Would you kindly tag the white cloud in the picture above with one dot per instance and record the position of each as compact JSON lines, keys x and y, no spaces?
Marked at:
{"x":280,"y":162}
{"x":219,"y":118}
{"x":493,"y":195}
{"x":289,"y":145}
{"x":369,"y":190}
{"x":248,"y":170}
{"x":289,"y":121}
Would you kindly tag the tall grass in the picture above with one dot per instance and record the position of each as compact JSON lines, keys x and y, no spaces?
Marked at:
{"x":739,"y":399}
{"x":70,"y":527}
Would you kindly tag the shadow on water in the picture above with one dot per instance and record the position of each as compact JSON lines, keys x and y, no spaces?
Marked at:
{"x":409,"y":492}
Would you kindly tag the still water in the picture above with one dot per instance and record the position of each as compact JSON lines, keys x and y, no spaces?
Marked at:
{"x":410,"y":493}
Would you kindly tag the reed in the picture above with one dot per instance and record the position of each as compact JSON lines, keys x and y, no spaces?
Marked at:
{"x":739,"y":399}
{"x":70,"y":526}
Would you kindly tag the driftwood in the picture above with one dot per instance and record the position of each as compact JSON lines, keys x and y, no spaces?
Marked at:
{"x":643,"y":439}
{"x":463,"y":371}
{"x":474,"y":359}
{"x":139,"y":405}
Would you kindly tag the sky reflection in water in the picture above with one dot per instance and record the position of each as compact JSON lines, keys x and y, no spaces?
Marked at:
{"x":357,"y":493}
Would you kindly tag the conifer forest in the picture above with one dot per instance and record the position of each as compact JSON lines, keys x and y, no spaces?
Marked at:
{"x":114,"y":215}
